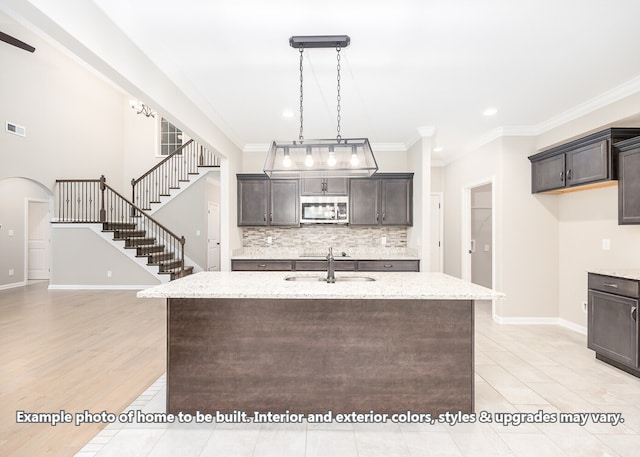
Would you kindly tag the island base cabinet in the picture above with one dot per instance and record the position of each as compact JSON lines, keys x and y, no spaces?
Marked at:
{"x":314,"y":356}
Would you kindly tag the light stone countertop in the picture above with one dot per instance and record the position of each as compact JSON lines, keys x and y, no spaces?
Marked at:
{"x":627,"y":273}
{"x":250,"y":284}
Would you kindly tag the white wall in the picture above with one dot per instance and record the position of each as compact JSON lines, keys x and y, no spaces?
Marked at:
{"x":73,"y":118}
{"x":186,"y":215}
{"x":586,"y":218}
{"x":81,"y":257}
{"x":526,"y":229}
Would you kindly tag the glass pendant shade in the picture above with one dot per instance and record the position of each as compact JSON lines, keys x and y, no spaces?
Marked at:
{"x":347,"y":157}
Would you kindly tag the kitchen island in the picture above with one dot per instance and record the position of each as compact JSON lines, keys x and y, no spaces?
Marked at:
{"x":260,"y":341}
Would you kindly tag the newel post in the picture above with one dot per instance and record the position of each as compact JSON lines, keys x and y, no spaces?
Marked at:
{"x":182,"y":242}
{"x":103,"y":212}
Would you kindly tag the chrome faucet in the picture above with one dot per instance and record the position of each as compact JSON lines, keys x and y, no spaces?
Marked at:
{"x":331,"y":267}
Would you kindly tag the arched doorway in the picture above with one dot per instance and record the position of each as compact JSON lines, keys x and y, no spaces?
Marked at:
{"x":25,"y":222}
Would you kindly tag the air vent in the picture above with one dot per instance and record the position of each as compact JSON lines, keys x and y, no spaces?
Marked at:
{"x":16,"y":129}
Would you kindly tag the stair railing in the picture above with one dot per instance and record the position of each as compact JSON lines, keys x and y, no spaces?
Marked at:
{"x":94,"y":201}
{"x":169,"y":172}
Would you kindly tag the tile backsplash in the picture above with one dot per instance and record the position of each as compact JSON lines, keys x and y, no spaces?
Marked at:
{"x":317,"y":238}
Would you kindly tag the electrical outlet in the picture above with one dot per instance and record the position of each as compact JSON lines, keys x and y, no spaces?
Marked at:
{"x":108,"y":273}
{"x":383,"y":240}
{"x":606,"y":244}
{"x":585,"y":306}
{"x":10,"y":232}
{"x":11,"y":272}
{"x":269,"y":240}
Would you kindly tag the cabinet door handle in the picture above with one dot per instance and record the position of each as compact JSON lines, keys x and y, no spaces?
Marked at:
{"x":568,"y":175}
{"x":562,"y":176}
{"x":264,"y":217}
{"x":608,"y":284}
{"x":633,"y":314}
{"x":270,"y":217}
{"x":383,"y":216}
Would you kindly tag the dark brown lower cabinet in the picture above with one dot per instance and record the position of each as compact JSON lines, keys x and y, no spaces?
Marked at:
{"x":321,"y":265}
{"x":613,"y":331}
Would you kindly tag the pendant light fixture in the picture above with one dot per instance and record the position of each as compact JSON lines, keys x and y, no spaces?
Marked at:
{"x":339,"y":157}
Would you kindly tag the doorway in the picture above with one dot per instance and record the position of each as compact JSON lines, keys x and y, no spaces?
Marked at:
{"x":38,"y":236}
{"x":478,"y":233}
{"x":481,"y":236}
{"x":213,"y":236}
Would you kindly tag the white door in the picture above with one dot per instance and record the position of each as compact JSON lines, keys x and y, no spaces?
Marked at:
{"x":436,"y":232}
{"x":213,"y":237}
{"x":38,"y":240}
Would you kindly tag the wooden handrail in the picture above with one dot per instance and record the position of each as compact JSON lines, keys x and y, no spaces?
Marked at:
{"x":162,"y":162}
{"x":142,"y":213}
{"x":169,"y":172}
{"x":94,"y":201}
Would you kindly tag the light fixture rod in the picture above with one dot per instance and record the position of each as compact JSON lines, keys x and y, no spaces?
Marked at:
{"x":320,"y":41}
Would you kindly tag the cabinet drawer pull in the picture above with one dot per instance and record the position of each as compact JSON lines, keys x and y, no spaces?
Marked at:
{"x":634,"y":315}
{"x":608,"y":284}
{"x":262,"y":265}
{"x":388,"y":265}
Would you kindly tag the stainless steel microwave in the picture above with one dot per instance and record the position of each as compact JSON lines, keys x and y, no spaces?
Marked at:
{"x":324,"y":210}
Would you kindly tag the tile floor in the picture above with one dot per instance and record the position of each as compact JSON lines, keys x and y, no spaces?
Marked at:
{"x":519,"y":369}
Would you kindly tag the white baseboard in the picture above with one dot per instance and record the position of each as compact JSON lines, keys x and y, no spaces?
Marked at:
{"x":571,"y":326}
{"x":97,"y":287}
{"x":540,"y":321}
{"x":12,"y":285}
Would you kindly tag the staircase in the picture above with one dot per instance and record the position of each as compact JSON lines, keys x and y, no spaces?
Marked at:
{"x":93,"y":201}
{"x":171,"y":174}
{"x":148,"y":247}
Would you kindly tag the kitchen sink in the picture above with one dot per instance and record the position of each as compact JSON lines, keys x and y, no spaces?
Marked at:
{"x":324,"y":278}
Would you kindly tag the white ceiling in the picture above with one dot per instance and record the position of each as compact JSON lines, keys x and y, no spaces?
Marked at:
{"x":411,"y":63}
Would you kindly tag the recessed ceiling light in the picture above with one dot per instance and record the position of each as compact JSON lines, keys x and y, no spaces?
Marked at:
{"x":490,"y":111}
{"x":288,"y":113}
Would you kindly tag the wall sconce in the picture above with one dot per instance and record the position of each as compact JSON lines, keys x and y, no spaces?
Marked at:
{"x":141,"y":108}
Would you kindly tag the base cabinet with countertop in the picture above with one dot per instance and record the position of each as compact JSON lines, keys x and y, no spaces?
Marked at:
{"x":613,"y":331}
{"x":255,"y":342}
{"x":341,"y":264}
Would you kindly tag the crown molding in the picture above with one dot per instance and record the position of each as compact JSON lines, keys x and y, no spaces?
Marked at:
{"x":611,"y":96}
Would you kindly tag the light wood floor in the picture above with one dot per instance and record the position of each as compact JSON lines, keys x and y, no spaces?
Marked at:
{"x":73,"y":351}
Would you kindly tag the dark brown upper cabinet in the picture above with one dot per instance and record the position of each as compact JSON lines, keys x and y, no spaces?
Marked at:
{"x":324,"y":186}
{"x":263,"y":201}
{"x":629,"y":181}
{"x":383,"y":199}
{"x":586,"y":162}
